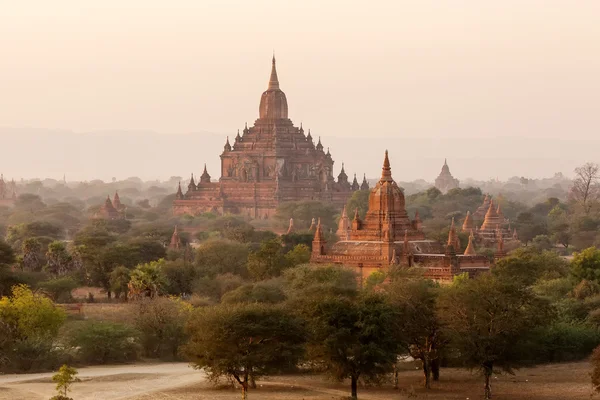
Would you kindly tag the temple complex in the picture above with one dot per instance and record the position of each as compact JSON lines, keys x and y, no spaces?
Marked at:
{"x":108,"y":211}
{"x":8,"y":192}
{"x":266,"y":164}
{"x":445,"y":181}
{"x":388,"y":237}
{"x":494,"y":226}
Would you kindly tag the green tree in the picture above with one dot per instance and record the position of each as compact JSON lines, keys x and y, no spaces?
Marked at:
{"x":268,"y":262}
{"x":7,"y":259}
{"x":586,"y":264}
{"x":147,"y":280}
{"x":304,"y":211}
{"x":488,"y":320}
{"x":64,"y":378}
{"x":33,"y":255}
{"x":119,"y":281}
{"x":300,"y":254}
{"x":215,"y":257}
{"x":102,"y":342}
{"x":419,"y":329}
{"x":352,"y":339}
{"x":244,"y":342}
{"x":29,"y":324}
{"x":58,"y":260}
{"x":161,"y":323}
{"x":359,"y":200}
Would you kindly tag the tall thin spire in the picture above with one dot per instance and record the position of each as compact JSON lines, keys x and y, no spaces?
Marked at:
{"x":386,"y":172}
{"x":273,"y":80}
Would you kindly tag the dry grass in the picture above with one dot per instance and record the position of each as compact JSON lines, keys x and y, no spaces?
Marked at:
{"x":550,"y":382}
{"x":114,"y":312}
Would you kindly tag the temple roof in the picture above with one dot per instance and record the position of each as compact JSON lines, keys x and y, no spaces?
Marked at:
{"x":273,"y":103}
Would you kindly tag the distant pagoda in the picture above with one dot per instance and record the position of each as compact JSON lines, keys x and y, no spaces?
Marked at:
{"x":267,"y":164}
{"x":445,"y":181}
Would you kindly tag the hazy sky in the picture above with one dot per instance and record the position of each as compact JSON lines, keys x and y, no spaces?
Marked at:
{"x":415,"y":69}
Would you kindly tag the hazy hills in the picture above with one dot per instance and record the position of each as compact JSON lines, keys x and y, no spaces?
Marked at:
{"x":31,"y":153}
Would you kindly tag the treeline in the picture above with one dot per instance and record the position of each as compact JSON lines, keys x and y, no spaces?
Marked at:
{"x":533,"y":307}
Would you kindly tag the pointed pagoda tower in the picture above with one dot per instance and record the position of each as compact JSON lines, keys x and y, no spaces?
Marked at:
{"x":470,"y":250}
{"x":453,"y":239}
{"x":445,"y":181}
{"x":175,"y":243}
{"x":386,"y":209}
{"x":344,"y":226}
{"x":269,"y":162}
{"x":108,"y":211}
{"x":468,"y":224}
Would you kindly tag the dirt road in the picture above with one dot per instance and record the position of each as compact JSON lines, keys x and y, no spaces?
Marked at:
{"x":111,"y":382}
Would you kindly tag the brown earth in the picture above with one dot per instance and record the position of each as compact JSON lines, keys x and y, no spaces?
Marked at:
{"x":176,"y":381}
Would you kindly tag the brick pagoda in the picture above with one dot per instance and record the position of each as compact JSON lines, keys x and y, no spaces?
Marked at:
{"x":387,"y":237}
{"x":445,"y":181}
{"x":271,"y":162}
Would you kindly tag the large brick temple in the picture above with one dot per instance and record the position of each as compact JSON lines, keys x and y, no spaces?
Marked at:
{"x":271,"y":162}
{"x":388,"y":237}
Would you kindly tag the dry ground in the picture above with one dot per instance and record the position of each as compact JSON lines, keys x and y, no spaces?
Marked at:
{"x":178,"y":382}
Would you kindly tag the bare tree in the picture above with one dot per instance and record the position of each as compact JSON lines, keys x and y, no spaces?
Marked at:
{"x":586,"y":186}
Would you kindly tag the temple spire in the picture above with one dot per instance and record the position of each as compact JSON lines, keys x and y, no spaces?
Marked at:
{"x":386,"y":172}
{"x":470,"y":250}
{"x":273,"y":80}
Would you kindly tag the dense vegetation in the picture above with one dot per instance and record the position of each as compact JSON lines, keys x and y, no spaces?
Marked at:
{"x":242,"y":301}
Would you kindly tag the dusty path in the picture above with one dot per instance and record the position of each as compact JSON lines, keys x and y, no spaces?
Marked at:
{"x":106,"y":382}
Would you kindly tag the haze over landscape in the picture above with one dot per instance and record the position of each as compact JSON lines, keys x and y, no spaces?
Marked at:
{"x":106,"y":89}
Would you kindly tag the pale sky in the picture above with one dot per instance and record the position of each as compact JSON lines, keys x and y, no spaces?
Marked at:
{"x":415,"y":69}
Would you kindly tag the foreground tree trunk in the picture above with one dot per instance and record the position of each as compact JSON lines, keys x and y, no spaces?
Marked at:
{"x":435,"y":369}
{"x":354,"y":386}
{"x":487,"y":370}
{"x":396,"y":376}
{"x":427,"y":372}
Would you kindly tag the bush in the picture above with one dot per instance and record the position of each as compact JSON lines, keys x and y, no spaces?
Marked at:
{"x":105,"y":342}
{"x":564,"y":341}
{"x":270,"y":292}
{"x":161,"y":323}
{"x":59,"y":289}
{"x":30,"y":323}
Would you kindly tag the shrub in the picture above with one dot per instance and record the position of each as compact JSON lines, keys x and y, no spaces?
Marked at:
{"x":563,"y":341}
{"x":30,"y":323}
{"x":161,"y":323}
{"x":59,"y":289}
{"x":105,"y":342}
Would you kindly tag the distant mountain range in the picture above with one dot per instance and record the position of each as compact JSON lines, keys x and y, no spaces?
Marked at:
{"x":41,"y":153}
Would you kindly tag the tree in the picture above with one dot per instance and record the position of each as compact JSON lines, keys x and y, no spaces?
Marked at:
{"x":7,"y":258}
{"x":161,"y":323}
{"x":64,"y":378}
{"x":58,"y":260}
{"x":359,"y":200}
{"x":586,"y":187}
{"x":33,"y":256}
{"x":488,"y":320}
{"x":268,"y":262}
{"x":244,"y":342}
{"x":304,"y":211}
{"x":586,"y":265}
{"x":29,"y":324}
{"x":147,"y":280}
{"x":215,"y":257}
{"x":119,"y":281}
{"x":559,"y":225}
{"x":352,"y":339}
{"x":300,"y":254}
{"x":419,"y":329}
